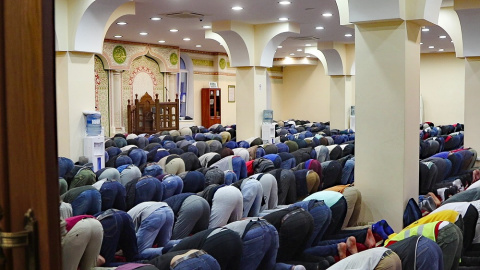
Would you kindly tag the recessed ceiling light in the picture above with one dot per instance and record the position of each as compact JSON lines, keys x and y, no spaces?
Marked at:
{"x":421,"y":43}
{"x":280,"y":46}
{"x":309,"y":56}
{"x":348,"y":35}
{"x":308,"y":45}
{"x":431,"y":47}
{"x":284,"y":2}
{"x":206,"y":27}
{"x":425,"y":29}
{"x":118,"y":36}
{"x":451,"y":41}
{"x":319,"y":27}
{"x":442,"y":36}
{"x":161,"y":41}
{"x":441,"y":50}
{"x":143,"y":33}
{"x":174,"y":30}
{"x":121,"y":23}
{"x":155,"y":18}
{"x":198,"y":46}
{"x":283,"y":19}
{"x":292,"y":54}
{"x":186,"y":39}
{"x":237,"y":8}
{"x":327,"y":14}
{"x":299,"y":50}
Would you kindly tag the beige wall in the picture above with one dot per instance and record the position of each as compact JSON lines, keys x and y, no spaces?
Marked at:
{"x":442,"y":84}
{"x":305,"y":94}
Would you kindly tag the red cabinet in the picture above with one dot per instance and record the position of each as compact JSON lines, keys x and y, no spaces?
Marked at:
{"x":211,"y":106}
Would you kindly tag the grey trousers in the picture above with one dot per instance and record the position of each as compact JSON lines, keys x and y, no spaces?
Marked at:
{"x":450,"y":240}
{"x":193,"y":215}
{"x":354,"y":202}
{"x":227,"y":206}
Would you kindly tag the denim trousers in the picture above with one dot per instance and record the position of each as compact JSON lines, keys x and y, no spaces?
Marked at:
{"x":173,"y":185}
{"x":260,"y":246}
{"x":118,"y":233}
{"x":148,"y":189}
{"x":239,"y":167}
{"x":156,"y":229}
{"x":428,"y":255}
{"x":202,"y":262}
{"x":89,"y":202}
{"x":113,"y":195}
{"x":321,"y":218}
{"x":81,"y":245}
{"x":252,"y":193}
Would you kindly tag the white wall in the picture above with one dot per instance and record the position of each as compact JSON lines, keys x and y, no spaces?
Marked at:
{"x":442,"y":86}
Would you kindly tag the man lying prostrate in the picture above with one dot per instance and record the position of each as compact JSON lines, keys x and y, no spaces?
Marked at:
{"x":447,"y":235}
{"x":226,"y":204}
{"x":186,"y":259}
{"x":469,"y":213}
{"x":374,"y":258}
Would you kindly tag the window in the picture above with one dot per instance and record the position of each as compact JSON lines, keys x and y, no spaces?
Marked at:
{"x":184,"y":84}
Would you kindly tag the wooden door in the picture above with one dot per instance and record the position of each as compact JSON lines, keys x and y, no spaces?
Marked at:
{"x":28,"y":156}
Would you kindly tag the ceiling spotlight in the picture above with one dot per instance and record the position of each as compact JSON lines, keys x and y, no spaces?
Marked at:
{"x":121,"y":23}
{"x":327,"y":14}
{"x":308,"y":45}
{"x":143,"y":33}
{"x":421,"y":43}
{"x":441,"y":50}
{"x":283,"y":19}
{"x":173,"y":30}
{"x":284,"y":2}
{"x":161,"y":41}
{"x":198,"y":46}
{"x":299,"y":50}
{"x":319,"y":27}
{"x":309,"y":56}
{"x":442,"y":36}
{"x":237,"y":8}
{"x":431,"y":47}
{"x":206,"y":27}
{"x":155,"y":18}
{"x":186,"y":39}
{"x":425,"y":29}
{"x":118,"y":36}
{"x":280,"y":46}
{"x":451,"y":41}
{"x":292,"y":54}
{"x":348,"y":35}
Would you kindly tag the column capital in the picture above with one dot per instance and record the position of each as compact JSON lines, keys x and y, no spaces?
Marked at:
{"x":251,"y":45}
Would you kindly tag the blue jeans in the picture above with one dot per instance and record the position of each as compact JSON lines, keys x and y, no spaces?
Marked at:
{"x":239,"y":167}
{"x":260,"y":246}
{"x":155,"y":229}
{"x":65,"y":165}
{"x":347,"y":172}
{"x":113,"y":196}
{"x":118,"y":233}
{"x":252,"y":193}
{"x":89,"y":202}
{"x":429,"y":255}
{"x":321,"y":218}
{"x":148,"y":189}
{"x":202,"y":262}
{"x":173,"y":185}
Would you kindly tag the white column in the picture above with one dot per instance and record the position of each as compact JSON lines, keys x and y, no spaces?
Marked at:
{"x":472,"y":99}
{"x":116,"y":118}
{"x":387,"y":107}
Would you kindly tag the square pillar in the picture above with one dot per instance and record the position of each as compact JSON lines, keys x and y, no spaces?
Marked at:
{"x":251,"y":99}
{"x":340,"y":101}
{"x":75,"y":80}
{"x":472,"y":99}
{"x":387,"y":91}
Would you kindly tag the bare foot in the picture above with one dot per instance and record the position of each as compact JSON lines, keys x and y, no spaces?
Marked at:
{"x":370,"y":239}
{"x":352,"y":245}
{"x":435,"y":199}
{"x":100,"y":260}
{"x":342,"y":250}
